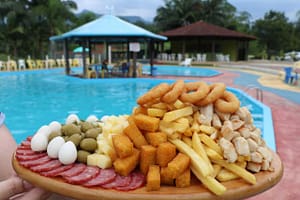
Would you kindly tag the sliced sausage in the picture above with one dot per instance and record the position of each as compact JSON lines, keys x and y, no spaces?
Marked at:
{"x":105,"y":176}
{"x":76,"y":169}
{"x":57,"y":171}
{"x":21,"y":157}
{"x":51,"y":165}
{"x":87,"y":174}
{"x":120,"y":181}
{"x":31,"y":163}
{"x":137,"y":181}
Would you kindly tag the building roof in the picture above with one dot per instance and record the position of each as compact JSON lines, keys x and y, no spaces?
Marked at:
{"x":108,"y":27}
{"x":203,"y":29}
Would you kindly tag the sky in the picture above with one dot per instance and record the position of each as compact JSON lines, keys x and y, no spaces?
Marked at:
{"x":147,"y":8}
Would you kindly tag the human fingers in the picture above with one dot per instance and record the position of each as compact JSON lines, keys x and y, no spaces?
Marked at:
{"x":13,"y":186}
{"x":36,"y":194}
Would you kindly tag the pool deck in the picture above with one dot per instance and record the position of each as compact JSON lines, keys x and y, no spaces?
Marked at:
{"x":284,"y":101}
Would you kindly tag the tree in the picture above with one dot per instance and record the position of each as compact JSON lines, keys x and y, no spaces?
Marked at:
{"x":273,"y":32}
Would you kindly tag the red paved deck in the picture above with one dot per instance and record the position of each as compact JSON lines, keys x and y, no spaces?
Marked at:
{"x":286,"y":121}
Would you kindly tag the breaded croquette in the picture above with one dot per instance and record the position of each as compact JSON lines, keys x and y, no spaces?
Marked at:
{"x":124,"y":166}
{"x":122,"y":145}
{"x":135,"y":134}
{"x":184,"y":179}
{"x":178,"y":165}
{"x":165,"y":153}
{"x":153,"y":178}
{"x":146,"y":123}
{"x":165,"y":176}
{"x":156,"y":138}
{"x":148,"y":157}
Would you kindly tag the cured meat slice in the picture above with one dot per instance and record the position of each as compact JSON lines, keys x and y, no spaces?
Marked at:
{"x":137,"y":181}
{"x":29,"y":138}
{"x":31,"y":163}
{"x":26,"y":152}
{"x":120,"y":181}
{"x":21,"y":157}
{"x":105,"y":176}
{"x":87,"y":174}
{"x":57,"y":171}
{"x":26,"y":143}
{"x":24,"y":147}
{"x":76,"y":169}
{"x":52,"y":164}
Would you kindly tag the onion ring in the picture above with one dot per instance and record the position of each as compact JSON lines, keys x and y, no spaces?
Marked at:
{"x":194,"y":91}
{"x":228,"y":103}
{"x":154,"y":93}
{"x":216,"y":91}
{"x":174,"y":93}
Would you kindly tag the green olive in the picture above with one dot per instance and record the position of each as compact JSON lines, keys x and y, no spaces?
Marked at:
{"x":82,"y":156}
{"x":85,"y":126}
{"x":76,"y":138}
{"x":93,"y":133}
{"x":70,"y":129}
{"x":88,"y":144}
{"x":53,"y":135}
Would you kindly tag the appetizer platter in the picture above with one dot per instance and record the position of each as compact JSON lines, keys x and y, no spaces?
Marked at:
{"x":182,"y":141}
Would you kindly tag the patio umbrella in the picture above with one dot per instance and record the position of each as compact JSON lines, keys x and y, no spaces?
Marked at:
{"x":79,"y":50}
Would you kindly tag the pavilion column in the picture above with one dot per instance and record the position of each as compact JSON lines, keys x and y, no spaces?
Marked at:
{"x":213,"y":50}
{"x":90,"y":51}
{"x":66,"y":51}
{"x":151,"y":48}
{"x":128,"y":52}
{"x":83,"y":59}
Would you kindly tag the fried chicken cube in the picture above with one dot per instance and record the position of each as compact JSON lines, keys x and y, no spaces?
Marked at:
{"x":165,"y":153}
{"x":146,"y":123}
{"x":184,"y":179}
{"x":153,"y":178}
{"x":124,"y":166}
{"x":178,"y":165}
{"x":148,"y":157}
{"x":122,"y":145}
{"x":165,"y":176}
{"x":156,"y":138}
{"x":135,"y":134}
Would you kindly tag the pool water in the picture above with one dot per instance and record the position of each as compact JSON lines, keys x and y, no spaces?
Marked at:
{"x":171,"y":70}
{"x":31,"y":99}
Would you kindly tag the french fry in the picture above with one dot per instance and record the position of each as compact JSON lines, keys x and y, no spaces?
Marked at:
{"x":160,"y":105}
{"x":176,"y":114}
{"x":210,"y":143}
{"x":212,"y":154}
{"x":241,"y":172}
{"x":199,"y":164}
{"x":178,"y":104}
{"x":198,"y":147}
{"x":217,"y":169}
{"x":225,"y":175}
{"x":187,"y":140}
{"x":211,"y":183}
{"x":207,"y":129}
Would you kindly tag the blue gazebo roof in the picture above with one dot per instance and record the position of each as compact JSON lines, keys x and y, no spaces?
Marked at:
{"x":109,"y":27}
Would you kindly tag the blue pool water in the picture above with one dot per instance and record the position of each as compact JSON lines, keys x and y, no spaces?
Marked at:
{"x":171,"y":70}
{"x":31,"y":99}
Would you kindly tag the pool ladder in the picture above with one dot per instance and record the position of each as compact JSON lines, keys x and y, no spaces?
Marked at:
{"x":259,"y":92}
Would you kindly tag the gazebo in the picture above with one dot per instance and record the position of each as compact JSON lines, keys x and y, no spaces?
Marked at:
{"x":202,"y":37}
{"x":106,"y":29}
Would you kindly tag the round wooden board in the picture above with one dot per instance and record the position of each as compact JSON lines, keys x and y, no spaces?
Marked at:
{"x":236,"y":189}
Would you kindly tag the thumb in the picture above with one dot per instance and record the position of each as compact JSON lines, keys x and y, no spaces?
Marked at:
{"x":12,"y":186}
{"x":36,"y":194}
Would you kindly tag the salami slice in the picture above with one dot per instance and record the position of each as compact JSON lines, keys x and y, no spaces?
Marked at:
{"x":86,"y":175}
{"x":21,"y":157}
{"x":26,"y":143}
{"x":31,"y":163}
{"x":105,"y":176}
{"x":120,"y":181}
{"x":52,"y":164}
{"x":76,"y":169}
{"x":26,"y":152}
{"x":24,"y":147}
{"x":137,"y":181}
{"x":57,"y":171}
{"x":29,"y":138}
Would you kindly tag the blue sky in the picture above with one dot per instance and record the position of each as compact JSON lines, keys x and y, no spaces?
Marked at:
{"x":147,"y":8}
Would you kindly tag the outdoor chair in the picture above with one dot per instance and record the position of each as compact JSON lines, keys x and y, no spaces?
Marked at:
{"x":21,"y":64}
{"x":11,"y":65}
{"x":2,"y":65}
{"x":187,"y":62}
{"x":290,"y":77}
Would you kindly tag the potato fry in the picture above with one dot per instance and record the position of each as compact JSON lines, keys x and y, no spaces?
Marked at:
{"x":217,"y":169}
{"x":199,"y":164}
{"x":211,"y":183}
{"x":160,"y":105}
{"x":155,"y":112}
{"x":198,"y":147}
{"x":212,"y":154}
{"x":225,"y":175}
{"x":241,"y":172}
{"x":187,"y":140}
{"x":210,"y":143}
{"x":176,"y":114}
{"x":207,"y":129}
{"x":178,"y":104}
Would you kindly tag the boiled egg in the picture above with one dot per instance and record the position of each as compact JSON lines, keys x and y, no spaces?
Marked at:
{"x":72,"y":118}
{"x":92,"y":118}
{"x":39,"y":142}
{"x":45,"y":130}
{"x":67,"y":153}
{"x":54,"y":146}
{"x":55,"y":126}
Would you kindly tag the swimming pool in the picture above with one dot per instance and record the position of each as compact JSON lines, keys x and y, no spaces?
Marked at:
{"x":171,"y":70}
{"x":31,"y":99}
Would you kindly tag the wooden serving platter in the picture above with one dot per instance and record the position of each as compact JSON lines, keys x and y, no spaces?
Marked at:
{"x":236,"y":189}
